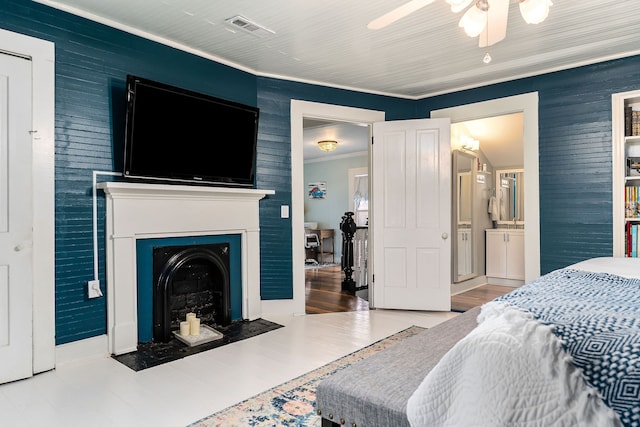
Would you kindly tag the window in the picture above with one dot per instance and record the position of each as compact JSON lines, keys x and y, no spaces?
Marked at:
{"x":361,"y":199}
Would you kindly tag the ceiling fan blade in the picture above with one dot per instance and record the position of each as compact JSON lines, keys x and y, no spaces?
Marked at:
{"x":496,"y":29}
{"x":397,"y":13}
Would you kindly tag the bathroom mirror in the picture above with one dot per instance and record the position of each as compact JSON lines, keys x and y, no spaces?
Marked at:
{"x":464,"y":166}
{"x":510,"y":194}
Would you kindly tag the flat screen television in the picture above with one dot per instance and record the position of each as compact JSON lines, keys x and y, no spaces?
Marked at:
{"x":174,"y":134}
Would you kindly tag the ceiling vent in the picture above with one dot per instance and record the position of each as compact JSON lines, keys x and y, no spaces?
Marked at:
{"x":242,"y":23}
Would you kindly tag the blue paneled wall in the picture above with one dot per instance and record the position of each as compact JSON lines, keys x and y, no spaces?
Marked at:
{"x":575,"y":150}
{"x":92,"y":62}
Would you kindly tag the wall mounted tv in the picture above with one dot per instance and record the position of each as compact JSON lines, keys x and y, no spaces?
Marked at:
{"x":175,"y":134}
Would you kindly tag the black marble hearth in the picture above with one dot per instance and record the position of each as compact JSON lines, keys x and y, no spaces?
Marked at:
{"x":153,"y":354}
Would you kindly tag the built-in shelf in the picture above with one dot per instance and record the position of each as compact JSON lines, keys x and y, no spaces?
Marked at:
{"x":624,"y":147}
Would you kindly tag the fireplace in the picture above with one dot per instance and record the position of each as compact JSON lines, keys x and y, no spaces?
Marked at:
{"x":139,"y":212}
{"x":199,"y":274}
{"x":190,"y":279}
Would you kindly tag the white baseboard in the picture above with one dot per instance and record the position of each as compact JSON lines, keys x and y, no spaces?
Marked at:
{"x":467,"y":285}
{"x":279,"y":308}
{"x":504,"y":282}
{"x":90,"y":348}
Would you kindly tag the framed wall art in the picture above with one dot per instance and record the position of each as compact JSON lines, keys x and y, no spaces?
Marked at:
{"x":317,"y":190}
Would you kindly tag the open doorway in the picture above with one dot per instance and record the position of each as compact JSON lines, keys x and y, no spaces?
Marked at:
{"x":487,"y":153}
{"x":317,"y":111}
{"x":487,"y":206}
{"x":333,"y":151}
{"x":527,"y":104}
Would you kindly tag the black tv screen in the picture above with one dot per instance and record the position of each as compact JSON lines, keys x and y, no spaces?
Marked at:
{"x":179,"y":135}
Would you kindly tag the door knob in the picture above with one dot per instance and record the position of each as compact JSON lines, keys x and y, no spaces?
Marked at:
{"x":22,"y":246}
{"x":445,"y":236}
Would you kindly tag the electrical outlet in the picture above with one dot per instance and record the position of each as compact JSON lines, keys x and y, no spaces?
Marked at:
{"x":93,"y":289}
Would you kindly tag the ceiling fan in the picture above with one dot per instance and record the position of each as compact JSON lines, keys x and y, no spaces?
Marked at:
{"x":485,"y":18}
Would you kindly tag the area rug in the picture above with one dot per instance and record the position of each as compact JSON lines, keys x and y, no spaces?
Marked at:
{"x":292,"y":404}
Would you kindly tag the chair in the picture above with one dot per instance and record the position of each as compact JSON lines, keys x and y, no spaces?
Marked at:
{"x":311,"y":244}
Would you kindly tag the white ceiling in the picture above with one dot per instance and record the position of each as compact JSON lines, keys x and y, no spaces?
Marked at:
{"x":501,"y":138}
{"x":352,"y":139}
{"x":327,"y":41}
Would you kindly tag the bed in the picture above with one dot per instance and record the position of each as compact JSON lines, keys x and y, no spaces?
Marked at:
{"x":562,"y":350}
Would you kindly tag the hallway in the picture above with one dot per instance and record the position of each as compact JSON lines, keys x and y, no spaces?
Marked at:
{"x":324,"y":295}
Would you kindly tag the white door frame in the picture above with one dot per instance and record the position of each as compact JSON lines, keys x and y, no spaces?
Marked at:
{"x":300,"y":110}
{"x":528,"y":104}
{"x":42,"y":55}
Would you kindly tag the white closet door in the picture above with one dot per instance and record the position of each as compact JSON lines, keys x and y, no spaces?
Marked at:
{"x":16,"y":285}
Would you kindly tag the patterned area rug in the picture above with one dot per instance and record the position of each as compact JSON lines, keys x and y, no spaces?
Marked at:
{"x":292,"y":404}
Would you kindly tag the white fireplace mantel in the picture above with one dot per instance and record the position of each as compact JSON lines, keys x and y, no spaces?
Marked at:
{"x":141,"y":211}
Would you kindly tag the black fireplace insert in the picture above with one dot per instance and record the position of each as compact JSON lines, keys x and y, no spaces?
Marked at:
{"x":193,"y":278}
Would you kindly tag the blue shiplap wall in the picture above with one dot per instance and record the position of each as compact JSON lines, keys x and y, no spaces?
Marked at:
{"x":574,"y":153}
{"x":92,"y":61}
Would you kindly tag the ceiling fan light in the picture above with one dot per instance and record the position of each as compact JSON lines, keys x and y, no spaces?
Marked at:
{"x":458,"y":5}
{"x":535,"y":11}
{"x":473,"y":21}
{"x":327,"y":145}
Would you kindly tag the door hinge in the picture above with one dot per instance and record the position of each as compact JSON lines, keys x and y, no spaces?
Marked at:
{"x":371,"y":140}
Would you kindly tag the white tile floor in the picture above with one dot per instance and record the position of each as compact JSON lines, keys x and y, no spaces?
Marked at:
{"x":103,"y":392}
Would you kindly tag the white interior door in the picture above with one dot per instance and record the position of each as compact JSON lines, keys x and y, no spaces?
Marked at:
{"x":16,"y":285}
{"x":411,"y":220}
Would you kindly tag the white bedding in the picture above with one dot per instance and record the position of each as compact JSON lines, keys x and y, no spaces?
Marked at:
{"x":625,"y":267}
{"x":513,"y":371}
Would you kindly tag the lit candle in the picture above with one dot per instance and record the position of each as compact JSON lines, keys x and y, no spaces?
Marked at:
{"x":185,"y":328}
{"x":194,"y":324}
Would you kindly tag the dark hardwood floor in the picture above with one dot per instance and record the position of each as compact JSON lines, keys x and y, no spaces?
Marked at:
{"x":477,"y":296}
{"x":324,"y":295}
